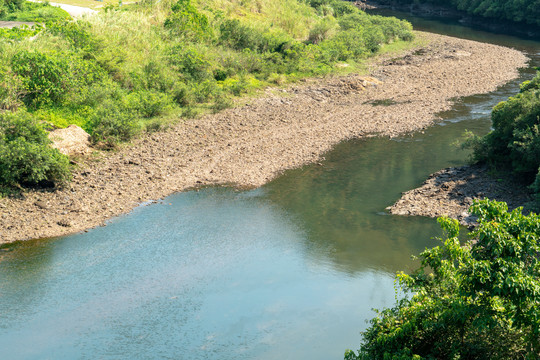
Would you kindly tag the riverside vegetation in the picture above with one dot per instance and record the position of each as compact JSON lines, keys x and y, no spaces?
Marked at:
{"x":521,"y":11}
{"x":477,"y":301}
{"x":136,"y":68}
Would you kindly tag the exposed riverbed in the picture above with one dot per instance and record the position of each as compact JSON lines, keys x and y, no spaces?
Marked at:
{"x":250,"y":145}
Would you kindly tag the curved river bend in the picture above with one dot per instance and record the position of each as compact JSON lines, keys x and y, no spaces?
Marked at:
{"x":287,"y":271}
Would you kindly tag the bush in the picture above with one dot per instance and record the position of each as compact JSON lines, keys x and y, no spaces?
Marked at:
{"x":345,"y":45}
{"x":323,"y":30}
{"x":479,"y":301}
{"x":186,"y":21}
{"x":25,"y":155}
{"x":191,"y":62}
{"x":77,"y":33}
{"x":19,"y":33}
{"x":113,"y":122}
{"x":149,"y":104}
{"x":11,"y":90}
{"x":514,"y":143}
{"x":392,"y":28}
{"x":29,"y":11}
{"x":42,"y":76}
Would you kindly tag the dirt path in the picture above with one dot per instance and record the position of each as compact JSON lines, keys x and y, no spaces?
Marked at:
{"x":249,"y":145}
{"x":75,"y":11}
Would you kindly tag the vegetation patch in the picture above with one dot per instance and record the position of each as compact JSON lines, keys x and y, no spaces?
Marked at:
{"x":25,"y":155}
{"x":20,"y":10}
{"x":478,"y":301}
{"x":514,"y":144}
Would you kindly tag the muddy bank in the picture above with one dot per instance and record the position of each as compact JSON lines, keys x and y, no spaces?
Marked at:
{"x":249,"y":145}
{"x":450,"y":192}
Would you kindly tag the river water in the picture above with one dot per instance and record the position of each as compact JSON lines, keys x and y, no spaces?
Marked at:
{"x":287,"y":271}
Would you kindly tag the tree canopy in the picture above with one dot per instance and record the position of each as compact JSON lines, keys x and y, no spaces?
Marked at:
{"x":477,"y":301}
{"x":527,"y":11}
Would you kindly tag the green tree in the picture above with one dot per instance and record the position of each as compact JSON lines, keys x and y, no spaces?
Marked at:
{"x":477,"y":301}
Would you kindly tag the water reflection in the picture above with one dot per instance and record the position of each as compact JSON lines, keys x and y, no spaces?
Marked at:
{"x":214,"y":274}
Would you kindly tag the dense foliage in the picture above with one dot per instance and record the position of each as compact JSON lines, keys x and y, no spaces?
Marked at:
{"x":478,"y":301}
{"x":25,"y":155}
{"x":527,"y":11}
{"x":514,"y":143}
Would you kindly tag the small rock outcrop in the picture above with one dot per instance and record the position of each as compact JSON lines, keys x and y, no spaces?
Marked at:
{"x":450,"y":192}
{"x":72,"y":140}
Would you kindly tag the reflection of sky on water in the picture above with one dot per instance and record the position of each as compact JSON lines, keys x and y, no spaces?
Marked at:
{"x":217,"y":274}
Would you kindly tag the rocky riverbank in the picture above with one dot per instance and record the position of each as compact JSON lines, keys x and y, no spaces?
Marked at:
{"x":249,"y":145}
{"x":450,"y":192}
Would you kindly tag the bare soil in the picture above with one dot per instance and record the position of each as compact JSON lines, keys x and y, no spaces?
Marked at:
{"x":249,"y":145}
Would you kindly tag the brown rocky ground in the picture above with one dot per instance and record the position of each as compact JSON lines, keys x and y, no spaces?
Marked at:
{"x":249,"y":145}
{"x":450,"y":192}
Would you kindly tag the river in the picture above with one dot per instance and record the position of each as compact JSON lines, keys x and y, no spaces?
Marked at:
{"x":291,"y":270}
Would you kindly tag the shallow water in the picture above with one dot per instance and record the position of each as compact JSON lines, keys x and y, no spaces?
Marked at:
{"x":288,"y":271}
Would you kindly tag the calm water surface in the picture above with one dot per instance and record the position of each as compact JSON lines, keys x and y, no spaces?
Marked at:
{"x":288,"y":271}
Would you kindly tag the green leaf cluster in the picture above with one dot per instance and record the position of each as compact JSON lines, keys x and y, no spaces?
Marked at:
{"x":478,"y":301}
{"x":25,"y":155}
{"x":514,"y":143}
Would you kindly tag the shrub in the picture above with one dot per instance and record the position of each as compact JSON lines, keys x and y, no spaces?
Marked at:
{"x":42,"y":76}
{"x":191,"y":62}
{"x":77,"y":33}
{"x":30,"y":11}
{"x":356,"y":20}
{"x":323,"y":30}
{"x":345,"y":45}
{"x":112,"y":122}
{"x":11,"y":90}
{"x":514,"y":143}
{"x":182,"y":94}
{"x":25,"y":155}
{"x":186,"y":21}
{"x":392,"y":28}
{"x":19,"y":33}
{"x":150,"y":103}
{"x":479,"y":301}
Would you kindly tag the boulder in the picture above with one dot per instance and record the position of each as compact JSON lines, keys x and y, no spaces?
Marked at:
{"x":72,"y":140}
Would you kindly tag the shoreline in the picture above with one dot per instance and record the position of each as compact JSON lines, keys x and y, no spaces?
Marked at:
{"x":451,"y":191}
{"x":250,"y":145}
